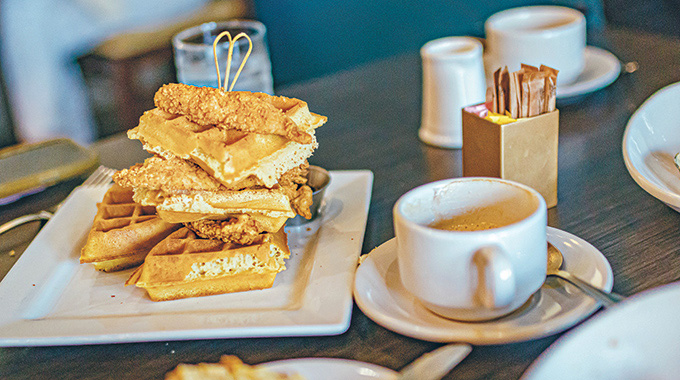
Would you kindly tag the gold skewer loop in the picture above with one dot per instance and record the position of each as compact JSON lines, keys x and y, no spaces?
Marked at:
{"x":229,"y":58}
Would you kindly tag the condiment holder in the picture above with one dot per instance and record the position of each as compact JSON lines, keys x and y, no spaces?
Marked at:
{"x":513,"y":145}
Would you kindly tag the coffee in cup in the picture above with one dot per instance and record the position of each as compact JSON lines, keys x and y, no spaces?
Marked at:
{"x":471,"y":249}
{"x":453,"y":224}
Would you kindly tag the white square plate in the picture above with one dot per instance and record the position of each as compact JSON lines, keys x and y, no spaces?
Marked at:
{"x":49,"y":298}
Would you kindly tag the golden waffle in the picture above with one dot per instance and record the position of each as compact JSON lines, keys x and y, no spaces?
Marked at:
{"x":270,"y":203}
{"x":123,"y":232}
{"x":227,"y":154}
{"x":189,"y":193}
{"x":229,"y":368}
{"x":185,"y":265}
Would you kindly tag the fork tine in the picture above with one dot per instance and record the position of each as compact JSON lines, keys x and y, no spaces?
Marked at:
{"x":94,"y":176}
{"x":101,"y":176}
{"x":105,"y":178}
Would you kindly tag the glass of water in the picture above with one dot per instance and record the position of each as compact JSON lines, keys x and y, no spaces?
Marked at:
{"x":195,"y":61}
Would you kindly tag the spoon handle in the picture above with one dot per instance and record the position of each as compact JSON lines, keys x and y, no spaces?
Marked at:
{"x":607,"y":299}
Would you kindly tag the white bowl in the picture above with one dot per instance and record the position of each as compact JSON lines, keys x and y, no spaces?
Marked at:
{"x":651,"y":140}
{"x":636,"y":339}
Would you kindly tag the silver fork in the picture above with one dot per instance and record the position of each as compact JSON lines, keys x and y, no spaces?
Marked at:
{"x":100,"y":177}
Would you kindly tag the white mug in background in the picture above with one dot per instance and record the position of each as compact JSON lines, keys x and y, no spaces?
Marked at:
{"x":539,"y":35}
{"x":453,"y":78}
{"x":491,"y":258}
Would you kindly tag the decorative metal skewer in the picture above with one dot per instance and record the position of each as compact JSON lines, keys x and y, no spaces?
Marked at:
{"x":230,"y":53}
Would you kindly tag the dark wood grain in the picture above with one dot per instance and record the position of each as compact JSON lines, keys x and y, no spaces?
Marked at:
{"x":374,"y":115}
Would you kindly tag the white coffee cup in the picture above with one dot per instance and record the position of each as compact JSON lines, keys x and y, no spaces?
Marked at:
{"x":472,"y":275}
{"x":453,"y":78}
{"x":539,"y":35}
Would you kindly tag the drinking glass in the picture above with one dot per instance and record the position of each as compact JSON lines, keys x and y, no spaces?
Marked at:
{"x":195,"y":61}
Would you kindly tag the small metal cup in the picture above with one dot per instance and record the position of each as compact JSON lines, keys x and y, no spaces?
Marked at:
{"x":318,"y":179}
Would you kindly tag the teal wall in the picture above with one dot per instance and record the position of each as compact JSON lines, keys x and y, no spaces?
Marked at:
{"x":308,"y":39}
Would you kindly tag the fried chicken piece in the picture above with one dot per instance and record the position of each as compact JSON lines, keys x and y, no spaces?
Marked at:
{"x":157,"y":173}
{"x":240,"y":229}
{"x":241,"y":110}
{"x":177,"y":176}
{"x":295,"y":176}
{"x":295,"y":187}
{"x":173,"y":173}
{"x":300,"y":200}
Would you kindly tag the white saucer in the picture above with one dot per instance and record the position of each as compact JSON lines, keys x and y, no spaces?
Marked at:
{"x":601,"y":69}
{"x":554,"y":308}
{"x":331,"y":369}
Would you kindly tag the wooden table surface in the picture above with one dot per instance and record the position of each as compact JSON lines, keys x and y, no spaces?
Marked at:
{"x":374,"y":115}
